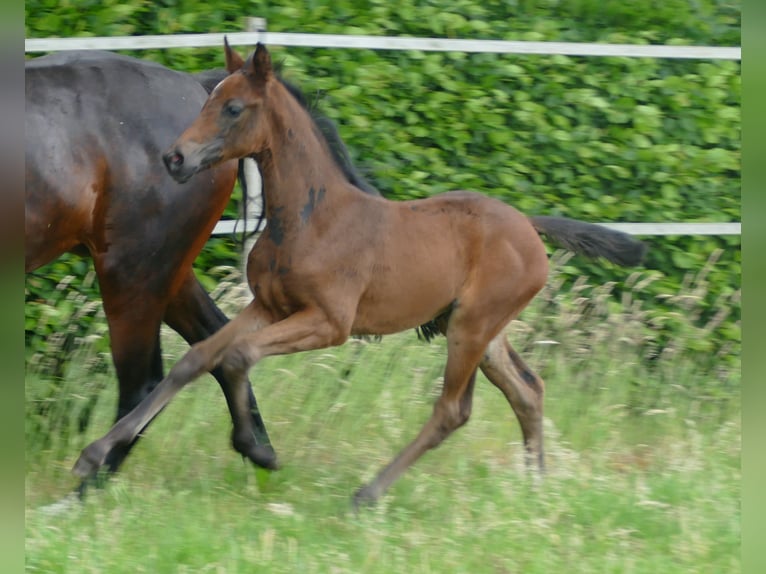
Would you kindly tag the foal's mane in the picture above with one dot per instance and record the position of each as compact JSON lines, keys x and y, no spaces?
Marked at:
{"x":328,"y":131}
{"x":325,"y":128}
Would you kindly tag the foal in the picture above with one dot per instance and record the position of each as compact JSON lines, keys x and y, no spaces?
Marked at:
{"x":334,"y":262}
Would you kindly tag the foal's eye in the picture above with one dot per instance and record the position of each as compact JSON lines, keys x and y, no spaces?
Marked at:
{"x":233,"y":109}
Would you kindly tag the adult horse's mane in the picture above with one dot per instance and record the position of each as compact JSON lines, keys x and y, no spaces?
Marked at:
{"x":210,"y":78}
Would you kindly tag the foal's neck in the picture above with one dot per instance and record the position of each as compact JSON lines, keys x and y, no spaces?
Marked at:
{"x":297,"y":166}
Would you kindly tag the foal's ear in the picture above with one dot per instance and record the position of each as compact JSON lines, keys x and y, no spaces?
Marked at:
{"x":234,"y":61}
{"x":261,"y":63}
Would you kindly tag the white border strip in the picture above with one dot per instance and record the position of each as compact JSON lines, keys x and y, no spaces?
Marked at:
{"x":230,"y":226}
{"x":382,"y":43}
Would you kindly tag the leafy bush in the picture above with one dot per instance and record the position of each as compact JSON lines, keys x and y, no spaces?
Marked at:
{"x":600,"y":139}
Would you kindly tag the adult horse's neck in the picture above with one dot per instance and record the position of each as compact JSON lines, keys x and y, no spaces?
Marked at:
{"x":296,"y":165}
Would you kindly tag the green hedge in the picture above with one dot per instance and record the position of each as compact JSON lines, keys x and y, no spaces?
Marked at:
{"x":600,"y":139}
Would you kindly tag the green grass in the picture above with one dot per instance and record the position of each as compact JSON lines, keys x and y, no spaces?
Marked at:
{"x":643,"y":468}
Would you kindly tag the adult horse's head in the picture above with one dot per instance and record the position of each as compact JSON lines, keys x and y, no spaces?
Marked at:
{"x":230,"y":124}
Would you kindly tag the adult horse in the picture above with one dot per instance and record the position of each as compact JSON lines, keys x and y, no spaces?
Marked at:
{"x":334,"y":262}
{"x":96,"y":123}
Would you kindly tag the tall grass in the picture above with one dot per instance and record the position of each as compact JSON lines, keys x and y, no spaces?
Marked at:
{"x":643,"y":443}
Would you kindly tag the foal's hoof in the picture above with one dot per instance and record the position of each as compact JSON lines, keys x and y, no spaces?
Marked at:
{"x":91,"y":459}
{"x":365,"y":497}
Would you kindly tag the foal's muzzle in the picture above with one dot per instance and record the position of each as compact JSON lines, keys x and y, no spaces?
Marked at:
{"x":183,"y":160}
{"x":175,"y":163}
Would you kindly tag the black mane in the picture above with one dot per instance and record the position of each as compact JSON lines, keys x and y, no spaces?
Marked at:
{"x":326,"y":128}
{"x":329,"y":132}
{"x":210,"y":78}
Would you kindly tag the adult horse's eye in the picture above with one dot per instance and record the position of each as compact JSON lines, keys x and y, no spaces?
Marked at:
{"x":233,"y":109}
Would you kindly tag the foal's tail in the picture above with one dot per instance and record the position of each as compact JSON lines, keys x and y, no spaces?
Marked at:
{"x":591,"y":240}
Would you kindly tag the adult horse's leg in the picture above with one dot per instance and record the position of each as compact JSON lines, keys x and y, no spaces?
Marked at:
{"x":203,"y":356}
{"x":523,"y":389}
{"x":134,"y":332}
{"x":195,"y":317}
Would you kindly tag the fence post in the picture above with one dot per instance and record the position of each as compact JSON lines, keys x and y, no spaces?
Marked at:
{"x":254,"y":183}
{"x":255,"y":24}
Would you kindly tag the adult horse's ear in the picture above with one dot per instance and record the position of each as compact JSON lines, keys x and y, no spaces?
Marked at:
{"x":261,"y":62}
{"x":234,"y":61}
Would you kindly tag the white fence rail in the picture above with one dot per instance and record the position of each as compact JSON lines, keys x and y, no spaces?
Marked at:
{"x":421,"y":44}
{"x":229,"y":226}
{"x":382,"y":43}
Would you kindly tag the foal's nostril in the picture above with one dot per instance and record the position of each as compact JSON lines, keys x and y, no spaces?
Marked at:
{"x":173,"y":160}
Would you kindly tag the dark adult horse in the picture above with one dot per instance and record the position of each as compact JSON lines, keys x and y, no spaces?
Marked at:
{"x":335,"y":262}
{"x":96,"y":125}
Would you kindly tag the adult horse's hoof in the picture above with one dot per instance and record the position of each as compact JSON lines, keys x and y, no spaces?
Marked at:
{"x":91,"y":459}
{"x":262,"y":455}
{"x":266,"y":457}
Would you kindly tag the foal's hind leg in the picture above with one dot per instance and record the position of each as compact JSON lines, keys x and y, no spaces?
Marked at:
{"x":465,"y":345}
{"x":522,"y":388}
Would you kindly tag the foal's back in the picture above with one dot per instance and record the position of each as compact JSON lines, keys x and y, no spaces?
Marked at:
{"x":429,"y":254}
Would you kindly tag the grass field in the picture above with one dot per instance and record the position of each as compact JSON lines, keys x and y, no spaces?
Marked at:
{"x":643,"y":467}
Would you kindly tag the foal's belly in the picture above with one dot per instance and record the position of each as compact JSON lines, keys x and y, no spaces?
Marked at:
{"x":389,"y":315}
{"x":411,"y":287}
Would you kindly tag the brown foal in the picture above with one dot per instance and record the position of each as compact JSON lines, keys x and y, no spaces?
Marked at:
{"x":334,"y":262}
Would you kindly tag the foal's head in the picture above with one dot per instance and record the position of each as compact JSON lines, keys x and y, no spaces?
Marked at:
{"x":231,"y":124}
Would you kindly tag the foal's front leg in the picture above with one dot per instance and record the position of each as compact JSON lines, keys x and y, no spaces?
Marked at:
{"x":303,"y":331}
{"x":451,"y":410}
{"x":194,"y":316}
{"x":235,"y":348}
{"x":202,"y":357}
